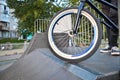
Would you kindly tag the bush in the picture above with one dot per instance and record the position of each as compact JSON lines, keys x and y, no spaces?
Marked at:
{"x":11,"y":40}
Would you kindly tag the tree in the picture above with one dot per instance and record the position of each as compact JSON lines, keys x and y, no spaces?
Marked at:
{"x":74,"y":2}
{"x":27,"y":11}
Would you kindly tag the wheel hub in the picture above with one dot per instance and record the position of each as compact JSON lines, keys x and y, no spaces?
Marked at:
{"x":71,"y":34}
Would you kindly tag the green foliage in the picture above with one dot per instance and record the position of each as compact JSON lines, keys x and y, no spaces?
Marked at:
{"x":28,"y":11}
{"x":74,"y":2}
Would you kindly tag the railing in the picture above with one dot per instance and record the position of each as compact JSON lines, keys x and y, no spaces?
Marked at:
{"x":40,"y":25}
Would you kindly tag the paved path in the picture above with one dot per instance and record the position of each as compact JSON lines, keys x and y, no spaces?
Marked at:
{"x":11,"y":52}
{"x":7,"y":61}
{"x":8,"y":57}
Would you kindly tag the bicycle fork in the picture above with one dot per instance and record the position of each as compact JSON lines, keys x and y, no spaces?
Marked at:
{"x":79,"y":16}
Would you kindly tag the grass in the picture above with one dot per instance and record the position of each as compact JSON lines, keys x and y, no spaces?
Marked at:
{"x":10,"y":40}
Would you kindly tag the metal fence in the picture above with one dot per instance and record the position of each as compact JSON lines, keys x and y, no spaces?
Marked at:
{"x":40,"y":25}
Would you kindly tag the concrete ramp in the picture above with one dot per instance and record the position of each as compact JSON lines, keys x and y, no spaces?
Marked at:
{"x":39,"y":63}
{"x":37,"y":66}
{"x":39,"y":41}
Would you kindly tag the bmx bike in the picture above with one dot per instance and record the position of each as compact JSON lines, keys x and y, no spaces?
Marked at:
{"x":72,"y":41}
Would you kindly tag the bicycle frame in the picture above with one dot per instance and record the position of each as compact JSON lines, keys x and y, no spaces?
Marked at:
{"x":111,"y":24}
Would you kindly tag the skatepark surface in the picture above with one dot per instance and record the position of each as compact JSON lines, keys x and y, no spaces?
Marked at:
{"x":39,"y":63}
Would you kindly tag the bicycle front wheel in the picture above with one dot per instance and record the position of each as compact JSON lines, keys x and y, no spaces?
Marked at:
{"x":74,"y":47}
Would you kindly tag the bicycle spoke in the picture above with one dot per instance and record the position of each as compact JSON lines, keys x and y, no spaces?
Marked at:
{"x":60,"y":41}
{"x":68,"y":45}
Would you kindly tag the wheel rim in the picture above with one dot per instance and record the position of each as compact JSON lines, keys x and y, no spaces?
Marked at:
{"x":66,"y":51}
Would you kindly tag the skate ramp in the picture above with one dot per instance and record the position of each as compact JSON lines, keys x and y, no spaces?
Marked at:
{"x":39,"y":41}
{"x":39,"y":63}
{"x":37,"y":66}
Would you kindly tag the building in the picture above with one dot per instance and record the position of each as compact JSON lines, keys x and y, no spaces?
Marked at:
{"x":13,"y":25}
{"x":4,"y":19}
{"x":7,"y":22}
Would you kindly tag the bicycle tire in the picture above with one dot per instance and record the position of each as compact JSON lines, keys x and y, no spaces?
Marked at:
{"x":70,"y":47}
